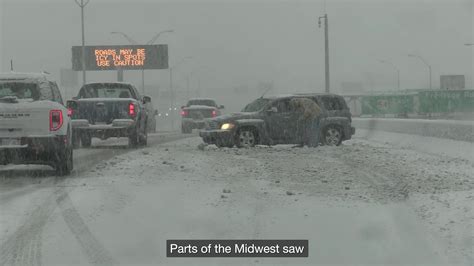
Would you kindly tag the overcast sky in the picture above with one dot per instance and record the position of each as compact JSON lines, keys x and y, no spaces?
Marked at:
{"x":240,"y":43}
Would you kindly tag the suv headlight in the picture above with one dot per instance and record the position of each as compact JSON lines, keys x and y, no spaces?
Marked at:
{"x":227,"y":126}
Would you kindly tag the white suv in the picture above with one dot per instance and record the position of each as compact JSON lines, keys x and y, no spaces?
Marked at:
{"x":34,"y":123}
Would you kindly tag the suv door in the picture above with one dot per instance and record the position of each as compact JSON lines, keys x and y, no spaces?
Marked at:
{"x":281,"y":125}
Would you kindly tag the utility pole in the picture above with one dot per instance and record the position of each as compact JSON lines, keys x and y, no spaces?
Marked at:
{"x":120,"y":75}
{"x":82,"y":4}
{"x":326,"y":48}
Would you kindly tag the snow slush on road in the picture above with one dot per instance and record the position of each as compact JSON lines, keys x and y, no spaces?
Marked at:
{"x":396,"y":203}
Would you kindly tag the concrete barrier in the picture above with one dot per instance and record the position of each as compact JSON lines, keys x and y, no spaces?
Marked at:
{"x":447,"y":129}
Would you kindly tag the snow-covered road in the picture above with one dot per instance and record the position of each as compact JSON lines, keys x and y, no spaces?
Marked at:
{"x":374,"y":200}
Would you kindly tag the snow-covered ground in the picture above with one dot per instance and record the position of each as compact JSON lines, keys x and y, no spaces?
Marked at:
{"x":374,"y":200}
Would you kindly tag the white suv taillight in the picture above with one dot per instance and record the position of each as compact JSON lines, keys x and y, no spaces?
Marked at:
{"x":55,"y":120}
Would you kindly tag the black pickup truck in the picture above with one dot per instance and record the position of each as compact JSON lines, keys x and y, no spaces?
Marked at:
{"x":105,"y":110}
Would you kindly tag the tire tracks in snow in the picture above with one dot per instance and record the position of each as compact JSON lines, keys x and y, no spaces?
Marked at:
{"x":95,"y":251}
{"x":24,"y":246}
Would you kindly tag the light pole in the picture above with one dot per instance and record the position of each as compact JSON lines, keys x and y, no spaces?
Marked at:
{"x":150,"y":42}
{"x":424,"y":62}
{"x":326,"y":48}
{"x":82,"y":4}
{"x":396,"y":69}
{"x":171,"y":88}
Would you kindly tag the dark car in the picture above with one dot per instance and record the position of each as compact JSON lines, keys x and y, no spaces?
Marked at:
{"x":105,"y":110}
{"x":270,"y":121}
{"x":196,"y":111}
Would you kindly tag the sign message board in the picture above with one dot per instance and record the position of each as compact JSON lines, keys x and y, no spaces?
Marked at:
{"x":127,"y":57}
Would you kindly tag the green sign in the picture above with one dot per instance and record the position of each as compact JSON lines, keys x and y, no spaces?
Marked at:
{"x":446,"y":101}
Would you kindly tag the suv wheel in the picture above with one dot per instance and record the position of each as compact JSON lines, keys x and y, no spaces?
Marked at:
{"x":86,"y":140}
{"x":332,"y":136}
{"x":76,"y":140}
{"x":64,"y":159}
{"x":246,"y":138}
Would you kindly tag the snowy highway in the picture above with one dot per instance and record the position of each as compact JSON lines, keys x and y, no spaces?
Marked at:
{"x":377,"y":199}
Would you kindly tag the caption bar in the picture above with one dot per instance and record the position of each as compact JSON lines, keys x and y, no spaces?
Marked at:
{"x":237,"y":248}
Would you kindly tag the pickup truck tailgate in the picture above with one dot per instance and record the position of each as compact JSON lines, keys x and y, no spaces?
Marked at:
{"x":103,"y":110}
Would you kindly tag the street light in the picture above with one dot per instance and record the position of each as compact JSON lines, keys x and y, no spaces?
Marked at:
{"x":82,"y":4}
{"x":396,"y":68}
{"x":424,"y":62}
{"x":171,"y":85}
{"x":150,"y":42}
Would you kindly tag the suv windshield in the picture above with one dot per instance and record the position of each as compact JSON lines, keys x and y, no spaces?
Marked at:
{"x":19,"y":90}
{"x":106,"y":91}
{"x":201,"y":102}
{"x":256,"y":105}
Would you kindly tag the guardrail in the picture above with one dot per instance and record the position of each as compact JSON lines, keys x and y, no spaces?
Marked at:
{"x":447,"y":129}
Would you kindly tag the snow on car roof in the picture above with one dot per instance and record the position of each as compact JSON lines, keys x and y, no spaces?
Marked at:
{"x":279,"y":96}
{"x":199,"y":107}
{"x":315,"y":94}
{"x":201,"y":99}
{"x":25,"y":76}
{"x":109,"y":82}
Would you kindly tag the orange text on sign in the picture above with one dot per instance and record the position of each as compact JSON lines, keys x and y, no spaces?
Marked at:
{"x":120,"y":57}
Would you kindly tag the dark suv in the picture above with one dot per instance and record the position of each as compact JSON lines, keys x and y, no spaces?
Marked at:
{"x":270,"y":121}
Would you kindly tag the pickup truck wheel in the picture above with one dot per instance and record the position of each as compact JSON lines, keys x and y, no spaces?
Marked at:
{"x":246,"y":138}
{"x":64,"y":161}
{"x":86,"y":140}
{"x":332,"y":136}
{"x":186,"y":130}
{"x":133,"y":139}
{"x":143,"y":139}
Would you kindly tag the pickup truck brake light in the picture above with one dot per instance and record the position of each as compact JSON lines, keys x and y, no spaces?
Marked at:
{"x":70,"y":112}
{"x":214,"y":113}
{"x":131,"y":109}
{"x":184,"y":113}
{"x":55,"y":120}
